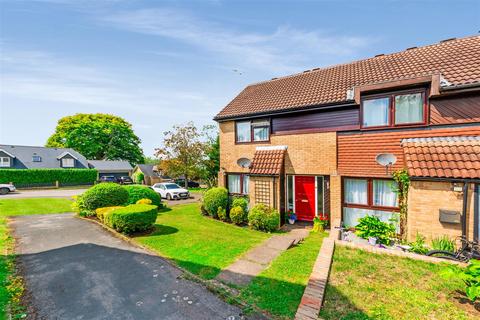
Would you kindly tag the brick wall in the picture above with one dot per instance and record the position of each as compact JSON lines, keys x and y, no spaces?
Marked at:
{"x":425,"y":200}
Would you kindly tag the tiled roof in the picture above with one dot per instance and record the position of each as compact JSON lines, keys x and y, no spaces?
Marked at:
{"x":268,"y":161}
{"x":443,"y":157}
{"x":457,"y":61}
{"x":110,"y":165}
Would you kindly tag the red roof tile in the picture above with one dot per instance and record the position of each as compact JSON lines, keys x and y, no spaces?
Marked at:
{"x":457,"y":61}
{"x":455,"y":157}
{"x":268,"y":161}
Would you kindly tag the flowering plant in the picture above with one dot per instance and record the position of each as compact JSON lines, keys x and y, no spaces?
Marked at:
{"x":291,"y":215}
{"x":319,"y":223}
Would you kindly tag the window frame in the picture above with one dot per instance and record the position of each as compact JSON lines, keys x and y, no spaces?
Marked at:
{"x":370,"y":204}
{"x":242,"y":177}
{"x":391,"y":109}
{"x":3,"y":164}
{"x":252,"y":126}
{"x":39,"y":158}
{"x":64,"y":166}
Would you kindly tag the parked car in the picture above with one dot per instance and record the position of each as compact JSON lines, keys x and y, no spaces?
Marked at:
{"x":191,"y":184}
{"x":6,"y":188}
{"x":108,"y":179}
{"x":171,"y":191}
{"x":125,"y":180}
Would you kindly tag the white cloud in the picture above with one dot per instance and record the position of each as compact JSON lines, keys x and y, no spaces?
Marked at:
{"x":286,"y":49}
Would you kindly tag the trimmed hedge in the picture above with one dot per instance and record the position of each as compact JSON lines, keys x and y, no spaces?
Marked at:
{"x":262,"y":217}
{"x":102,"y":212}
{"x":238,"y":215}
{"x":215,"y":198}
{"x":99,"y":196}
{"x":21,"y":177}
{"x":240,"y":202}
{"x":132,"y":218}
{"x":136,"y":193}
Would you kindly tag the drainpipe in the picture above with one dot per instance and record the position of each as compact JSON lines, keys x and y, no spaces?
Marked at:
{"x":464,"y":209}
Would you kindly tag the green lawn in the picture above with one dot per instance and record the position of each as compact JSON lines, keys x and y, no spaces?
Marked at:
{"x":13,"y":207}
{"x":279,"y":288}
{"x":364,"y":285}
{"x":199,"y":244}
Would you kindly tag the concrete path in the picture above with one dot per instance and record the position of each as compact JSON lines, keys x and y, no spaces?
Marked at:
{"x":43,"y":193}
{"x":74,"y":269}
{"x":242,"y":271}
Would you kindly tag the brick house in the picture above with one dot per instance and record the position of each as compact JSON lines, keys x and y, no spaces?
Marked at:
{"x":309,"y":142}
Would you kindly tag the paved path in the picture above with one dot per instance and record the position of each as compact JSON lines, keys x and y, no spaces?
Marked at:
{"x":74,"y":269}
{"x":242,"y":271}
{"x":44,"y":193}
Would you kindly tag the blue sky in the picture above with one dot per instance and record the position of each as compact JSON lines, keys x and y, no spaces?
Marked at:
{"x":159,"y":63}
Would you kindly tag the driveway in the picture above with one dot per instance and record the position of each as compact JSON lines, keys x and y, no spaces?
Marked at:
{"x":44,"y":193}
{"x":74,"y":269}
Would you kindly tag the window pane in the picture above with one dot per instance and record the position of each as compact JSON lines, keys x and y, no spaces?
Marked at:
{"x":375,"y":112}
{"x":290,"y":193}
{"x":260,"y":134}
{"x":234,"y":183}
{"x":320,"y":210}
{"x":351,"y":216}
{"x":383,"y":194}
{"x":408,"y":108}
{"x":246,"y":180}
{"x":67,"y":163}
{"x":243,"y":131}
{"x":356,"y":191}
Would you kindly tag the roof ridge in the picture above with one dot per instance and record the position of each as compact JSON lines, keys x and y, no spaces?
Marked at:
{"x":19,"y":145}
{"x":376,"y":57}
{"x":451,"y":139}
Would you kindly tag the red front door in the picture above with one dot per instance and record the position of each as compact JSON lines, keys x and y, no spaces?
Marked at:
{"x":305,"y":197}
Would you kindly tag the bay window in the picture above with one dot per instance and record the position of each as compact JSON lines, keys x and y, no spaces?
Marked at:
{"x":252,"y":131}
{"x":394,"y":109}
{"x":374,"y":197}
{"x":238,"y":183}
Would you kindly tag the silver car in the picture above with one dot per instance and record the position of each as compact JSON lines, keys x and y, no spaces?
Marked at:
{"x":6,"y":188}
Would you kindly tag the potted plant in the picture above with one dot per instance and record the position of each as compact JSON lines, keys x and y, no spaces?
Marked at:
{"x":320,"y":223}
{"x":292,"y":217}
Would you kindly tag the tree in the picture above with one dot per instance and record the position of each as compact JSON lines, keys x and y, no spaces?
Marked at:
{"x":212,"y":162}
{"x":151,"y":160}
{"x":183,"y":152}
{"x":98,"y":137}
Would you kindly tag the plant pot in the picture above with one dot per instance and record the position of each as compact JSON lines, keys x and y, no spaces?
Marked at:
{"x":291,"y":221}
{"x":372,"y":241}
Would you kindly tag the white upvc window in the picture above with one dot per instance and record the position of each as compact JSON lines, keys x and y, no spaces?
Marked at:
{"x":4,"y":162}
{"x":68,"y":163}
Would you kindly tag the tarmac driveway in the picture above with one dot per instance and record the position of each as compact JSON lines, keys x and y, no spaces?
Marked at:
{"x":74,"y":269}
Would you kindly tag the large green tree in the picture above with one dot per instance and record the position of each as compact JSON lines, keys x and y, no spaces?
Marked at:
{"x":98,"y":137}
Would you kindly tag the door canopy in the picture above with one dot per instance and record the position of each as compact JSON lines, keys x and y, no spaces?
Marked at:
{"x":268,"y":161}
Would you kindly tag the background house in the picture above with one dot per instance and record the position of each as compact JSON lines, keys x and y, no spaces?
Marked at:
{"x":151,"y":174}
{"x":28,"y":157}
{"x":116,"y":168}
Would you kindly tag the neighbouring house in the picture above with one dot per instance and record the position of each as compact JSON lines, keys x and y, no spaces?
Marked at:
{"x":151,"y":174}
{"x":316,"y":142}
{"x":28,"y":157}
{"x":116,"y":168}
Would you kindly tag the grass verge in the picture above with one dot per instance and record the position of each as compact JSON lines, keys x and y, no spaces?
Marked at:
{"x":29,"y":206}
{"x":199,"y":244}
{"x":279,"y":289}
{"x":364,"y":285}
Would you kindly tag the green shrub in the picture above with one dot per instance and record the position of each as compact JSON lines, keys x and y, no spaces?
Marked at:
{"x":418,"y":246}
{"x":240,"y":202}
{"x":144,"y":201}
{"x":215,"y":198}
{"x":22,"y":177}
{"x":136,"y":193}
{"x":139,"y":177}
{"x":238,"y":216}
{"x":372,"y":226}
{"x":132,"y":218}
{"x":222,"y":214}
{"x":262,"y":217}
{"x":443,"y":243}
{"x":469,"y":275}
{"x":99,"y":196}
{"x":102,"y":212}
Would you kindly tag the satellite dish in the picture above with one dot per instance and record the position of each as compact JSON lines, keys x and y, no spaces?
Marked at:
{"x":244,"y":162}
{"x":386,"y":160}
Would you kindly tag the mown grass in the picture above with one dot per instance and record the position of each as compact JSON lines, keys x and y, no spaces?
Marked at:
{"x":364,"y":285}
{"x":199,"y":244}
{"x":11,"y":287}
{"x":279,"y":289}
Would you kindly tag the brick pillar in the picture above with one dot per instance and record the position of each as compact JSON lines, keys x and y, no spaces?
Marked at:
{"x":335,"y":200}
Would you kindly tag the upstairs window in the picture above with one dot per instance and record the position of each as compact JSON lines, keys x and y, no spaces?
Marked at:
{"x":68,"y":162}
{"x":252,"y":131}
{"x":4,"y":162}
{"x":36,"y":159}
{"x":394,"y":110}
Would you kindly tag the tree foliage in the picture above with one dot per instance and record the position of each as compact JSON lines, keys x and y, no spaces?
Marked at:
{"x":98,"y":137}
{"x":211,"y":164}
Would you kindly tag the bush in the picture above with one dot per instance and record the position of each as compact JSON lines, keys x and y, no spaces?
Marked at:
{"x":238,"y":215}
{"x":215,"y":198}
{"x":144,"y":201}
{"x":132,"y":218}
{"x":222,"y":214}
{"x":139,"y":178}
{"x":240,"y":202}
{"x":372,"y":226}
{"x":22,"y":177}
{"x":136,"y":193}
{"x":102,"y":212}
{"x":99,"y":196}
{"x":418,"y":246}
{"x":443,"y":243}
{"x":262,"y":217}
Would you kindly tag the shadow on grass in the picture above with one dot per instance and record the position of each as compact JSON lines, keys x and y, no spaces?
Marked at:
{"x":338,"y":307}
{"x":462,"y":299}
